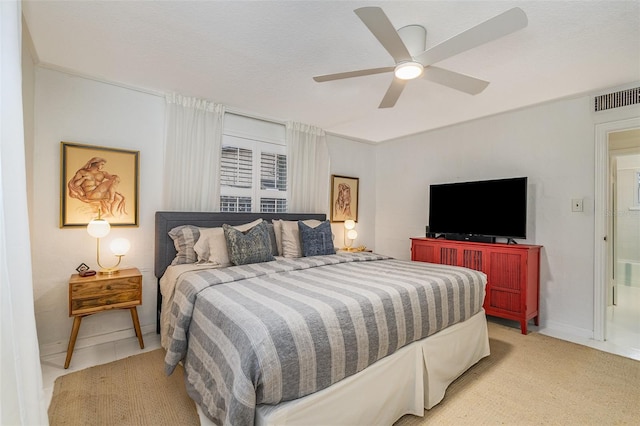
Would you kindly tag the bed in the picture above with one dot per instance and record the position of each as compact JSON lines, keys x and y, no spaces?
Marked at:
{"x":346,"y":338}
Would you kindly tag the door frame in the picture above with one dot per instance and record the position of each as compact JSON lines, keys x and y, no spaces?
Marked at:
{"x":601,"y":222}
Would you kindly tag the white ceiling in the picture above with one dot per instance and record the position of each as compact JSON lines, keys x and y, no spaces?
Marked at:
{"x":260,"y":56}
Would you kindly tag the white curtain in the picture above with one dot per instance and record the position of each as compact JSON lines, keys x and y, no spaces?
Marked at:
{"x":22,"y":396}
{"x":308,"y":169}
{"x":192,"y":155}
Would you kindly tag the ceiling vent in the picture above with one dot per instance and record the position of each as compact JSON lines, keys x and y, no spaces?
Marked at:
{"x":617,"y":99}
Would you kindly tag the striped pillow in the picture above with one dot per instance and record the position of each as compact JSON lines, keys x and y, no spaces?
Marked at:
{"x":184,"y":239}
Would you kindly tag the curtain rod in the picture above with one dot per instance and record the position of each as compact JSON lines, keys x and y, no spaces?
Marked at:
{"x":236,"y":111}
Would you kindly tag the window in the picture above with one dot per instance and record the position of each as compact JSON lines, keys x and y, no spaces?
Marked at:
{"x":273,"y":171}
{"x":253,"y":173}
{"x":235,"y":204}
{"x":237,"y":167}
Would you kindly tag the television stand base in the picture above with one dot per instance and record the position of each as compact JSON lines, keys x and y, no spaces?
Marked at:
{"x":470,"y":237}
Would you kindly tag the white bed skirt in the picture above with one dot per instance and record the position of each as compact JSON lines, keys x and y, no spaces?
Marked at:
{"x":412,"y":379}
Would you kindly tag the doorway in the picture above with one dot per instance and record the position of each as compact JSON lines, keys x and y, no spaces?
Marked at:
{"x":603,"y":247}
{"x":622,"y":327}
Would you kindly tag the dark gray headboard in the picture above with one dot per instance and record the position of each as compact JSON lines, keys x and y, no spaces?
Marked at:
{"x":165,"y":251}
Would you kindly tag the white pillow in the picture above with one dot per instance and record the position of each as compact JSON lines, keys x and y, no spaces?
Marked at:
{"x":291,"y":245}
{"x":212,"y":245}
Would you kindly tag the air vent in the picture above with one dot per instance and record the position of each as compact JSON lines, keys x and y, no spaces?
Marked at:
{"x":617,"y":99}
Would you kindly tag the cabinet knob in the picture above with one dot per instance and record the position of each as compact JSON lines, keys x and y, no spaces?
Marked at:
{"x":109,"y":287}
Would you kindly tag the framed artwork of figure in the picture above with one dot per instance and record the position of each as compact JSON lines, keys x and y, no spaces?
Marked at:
{"x":344,"y":198}
{"x":98,"y":181}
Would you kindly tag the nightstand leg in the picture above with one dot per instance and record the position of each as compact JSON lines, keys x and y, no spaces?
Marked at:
{"x":72,"y":339}
{"x":136,"y":325}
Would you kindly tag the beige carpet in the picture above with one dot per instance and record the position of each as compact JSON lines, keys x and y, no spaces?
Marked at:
{"x":527,"y":380}
{"x":539,"y":380}
{"x":130,"y":391}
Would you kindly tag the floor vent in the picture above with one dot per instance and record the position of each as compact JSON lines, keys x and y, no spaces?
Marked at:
{"x":617,"y":99}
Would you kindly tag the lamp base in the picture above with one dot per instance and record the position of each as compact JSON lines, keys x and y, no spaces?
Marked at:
{"x":108,"y":271}
{"x":355,"y":249}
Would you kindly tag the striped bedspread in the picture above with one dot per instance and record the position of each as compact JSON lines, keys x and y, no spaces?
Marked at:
{"x":272,"y":332}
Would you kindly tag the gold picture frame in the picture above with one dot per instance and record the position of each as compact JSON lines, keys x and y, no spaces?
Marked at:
{"x":344,"y":198}
{"x":98,"y":180}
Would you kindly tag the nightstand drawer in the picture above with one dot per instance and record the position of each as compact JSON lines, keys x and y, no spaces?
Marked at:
{"x":92,"y":289}
{"x":102,"y":300}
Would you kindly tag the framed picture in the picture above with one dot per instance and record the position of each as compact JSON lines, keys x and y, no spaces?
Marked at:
{"x":344,"y":198}
{"x":97,"y":180}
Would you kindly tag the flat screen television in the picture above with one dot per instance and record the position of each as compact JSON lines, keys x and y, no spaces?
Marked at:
{"x":491,"y":208}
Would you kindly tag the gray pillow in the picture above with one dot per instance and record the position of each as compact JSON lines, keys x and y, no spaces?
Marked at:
{"x":252,"y":246}
{"x":316,"y":241}
{"x":184,"y":238}
{"x":272,"y":239}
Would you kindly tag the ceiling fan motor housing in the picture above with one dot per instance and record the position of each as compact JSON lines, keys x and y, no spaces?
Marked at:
{"x":414,"y":38}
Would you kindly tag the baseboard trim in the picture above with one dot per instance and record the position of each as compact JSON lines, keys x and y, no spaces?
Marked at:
{"x":85,"y":342}
{"x":564,"y":331}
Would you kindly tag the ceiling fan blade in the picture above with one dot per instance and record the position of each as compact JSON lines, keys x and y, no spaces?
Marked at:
{"x":492,"y":29}
{"x":349,"y":74}
{"x":393,"y":93}
{"x":378,"y":23}
{"x":454,"y":80}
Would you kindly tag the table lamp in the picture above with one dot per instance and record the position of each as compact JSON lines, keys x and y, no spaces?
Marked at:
{"x":350,"y":233}
{"x":100,"y":228}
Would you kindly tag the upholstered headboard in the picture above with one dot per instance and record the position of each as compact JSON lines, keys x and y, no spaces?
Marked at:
{"x":165,"y":250}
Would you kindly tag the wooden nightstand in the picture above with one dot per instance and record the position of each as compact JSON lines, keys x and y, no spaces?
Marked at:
{"x":90,"y":295}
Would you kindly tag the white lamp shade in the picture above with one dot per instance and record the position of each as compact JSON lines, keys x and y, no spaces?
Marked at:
{"x":349,"y":224}
{"x":98,"y":228}
{"x":352,"y":234}
{"x":120,"y":246}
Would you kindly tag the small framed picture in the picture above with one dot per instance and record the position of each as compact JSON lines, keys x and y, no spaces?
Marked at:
{"x":82,"y":267}
{"x":97,"y":180}
{"x":344,"y":198}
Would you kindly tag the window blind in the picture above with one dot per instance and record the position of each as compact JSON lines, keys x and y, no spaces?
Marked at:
{"x":236,"y":167}
{"x":273,"y":171}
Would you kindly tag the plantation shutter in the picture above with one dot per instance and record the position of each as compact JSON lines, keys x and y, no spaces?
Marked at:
{"x":236,"y":167}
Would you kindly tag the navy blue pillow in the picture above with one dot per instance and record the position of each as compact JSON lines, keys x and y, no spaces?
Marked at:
{"x":316,"y":241}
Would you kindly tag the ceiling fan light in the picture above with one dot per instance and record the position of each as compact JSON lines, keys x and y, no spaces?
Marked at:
{"x":408,"y":70}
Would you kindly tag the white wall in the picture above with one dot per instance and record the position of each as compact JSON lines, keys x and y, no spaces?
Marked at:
{"x":356,"y":159}
{"x":551,"y":144}
{"x":75,"y":109}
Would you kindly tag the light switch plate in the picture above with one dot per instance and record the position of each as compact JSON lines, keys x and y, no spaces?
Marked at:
{"x":577,"y":205}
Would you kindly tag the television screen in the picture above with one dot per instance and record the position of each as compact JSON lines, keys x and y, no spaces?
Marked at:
{"x":496,"y":208}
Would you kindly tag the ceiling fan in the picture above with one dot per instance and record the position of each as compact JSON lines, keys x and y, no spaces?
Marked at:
{"x":407,"y":47}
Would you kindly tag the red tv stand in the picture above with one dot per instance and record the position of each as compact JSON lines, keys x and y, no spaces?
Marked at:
{"x":513,"y":273}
